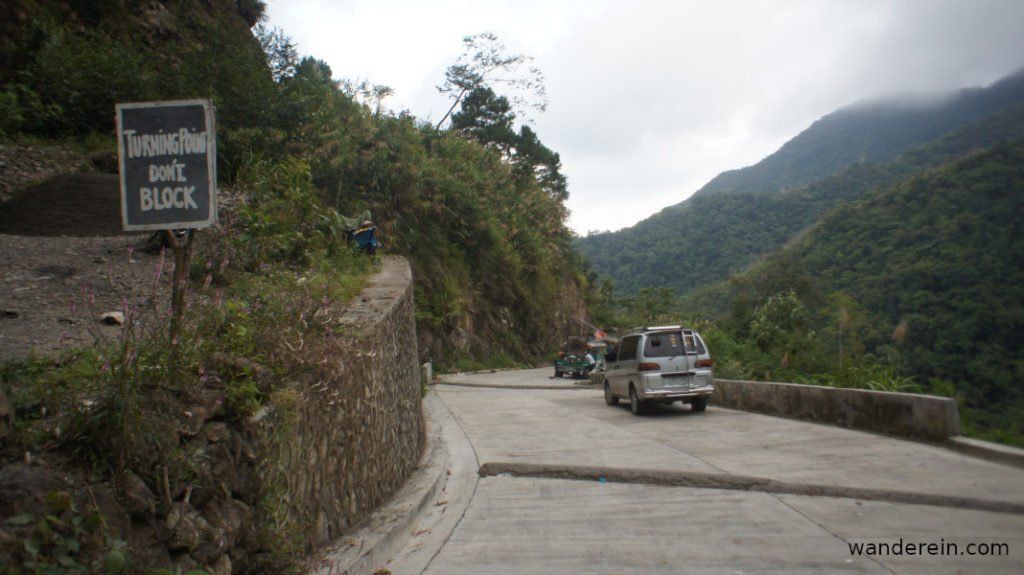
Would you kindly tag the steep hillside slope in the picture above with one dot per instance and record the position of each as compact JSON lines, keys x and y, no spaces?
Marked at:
{"x":713,"y":235}
{"x":65,"y":65}
{"x":942,"y":253}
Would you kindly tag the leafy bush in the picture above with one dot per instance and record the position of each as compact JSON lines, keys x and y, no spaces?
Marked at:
{"x":10,"y":112}
{"x":281,"y":218}
{"x":228,"y":68}
{"x":75,"y":79}
{"x":62,"y":540}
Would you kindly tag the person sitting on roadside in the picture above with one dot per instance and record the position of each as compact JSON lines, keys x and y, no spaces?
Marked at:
{"x":366,"y":238}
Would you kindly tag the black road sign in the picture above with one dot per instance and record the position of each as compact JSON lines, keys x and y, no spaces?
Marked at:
{"x":168,"y":162}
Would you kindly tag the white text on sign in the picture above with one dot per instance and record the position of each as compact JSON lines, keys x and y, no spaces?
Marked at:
{"x":173,"y":172}
{"x":162,"y":199}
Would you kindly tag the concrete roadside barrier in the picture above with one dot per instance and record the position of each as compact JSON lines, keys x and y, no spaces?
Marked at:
{"x":922,"y":417}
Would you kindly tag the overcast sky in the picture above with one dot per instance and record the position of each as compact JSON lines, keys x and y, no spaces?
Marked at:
{"x":649,"y":100}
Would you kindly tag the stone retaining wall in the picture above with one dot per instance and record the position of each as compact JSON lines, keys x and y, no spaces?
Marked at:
{"x":924,"y":417}
{"x":354,"y":431}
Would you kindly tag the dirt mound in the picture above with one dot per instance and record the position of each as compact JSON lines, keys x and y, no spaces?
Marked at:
{"x":22,"y":166}
{"x":80,"y":205}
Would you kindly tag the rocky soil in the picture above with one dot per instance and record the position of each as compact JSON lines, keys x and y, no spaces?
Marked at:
{"x":53,"y":291}
{"x":66,"y":261}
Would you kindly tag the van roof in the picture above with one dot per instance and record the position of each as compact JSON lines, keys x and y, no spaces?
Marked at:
{"x":647,"y":329}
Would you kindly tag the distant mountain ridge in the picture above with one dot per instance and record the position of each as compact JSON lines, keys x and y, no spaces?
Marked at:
{"x":737,"y":217}
{"x":873,"y":131}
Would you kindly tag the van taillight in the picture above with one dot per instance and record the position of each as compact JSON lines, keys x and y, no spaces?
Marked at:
{"x":704,"y":363}
{"x":648,"y":366}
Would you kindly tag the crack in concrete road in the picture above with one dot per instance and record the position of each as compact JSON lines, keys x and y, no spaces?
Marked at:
{"x":739,"y":483}
{"x":821,"y":526}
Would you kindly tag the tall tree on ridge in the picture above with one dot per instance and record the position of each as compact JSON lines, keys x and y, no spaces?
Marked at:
{"x":483,"y":56}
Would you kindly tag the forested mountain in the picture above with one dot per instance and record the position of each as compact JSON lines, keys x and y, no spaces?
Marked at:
{"x":715,"y":234}
{"x":928,"y":273}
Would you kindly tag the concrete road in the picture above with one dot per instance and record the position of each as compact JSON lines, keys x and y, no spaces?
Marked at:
{"x":515,"y":523}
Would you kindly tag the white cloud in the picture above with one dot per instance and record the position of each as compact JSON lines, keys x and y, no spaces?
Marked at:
{"x":650,"y":100}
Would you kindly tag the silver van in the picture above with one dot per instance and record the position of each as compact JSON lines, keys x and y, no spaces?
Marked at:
{"x":659,"y":365}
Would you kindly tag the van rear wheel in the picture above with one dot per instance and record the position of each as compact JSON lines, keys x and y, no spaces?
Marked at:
{"x":609,"y":397}
{"x":635,"y":406}
{"x":699,"y":404}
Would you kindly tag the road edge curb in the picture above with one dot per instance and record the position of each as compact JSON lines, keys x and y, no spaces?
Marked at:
{"x":987,"y":450}
{"x":512,"y":386}
{"x":695,"y":479}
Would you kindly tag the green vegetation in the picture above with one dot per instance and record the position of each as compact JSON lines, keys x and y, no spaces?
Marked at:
{"x":65,"y":71}
{"x":64,"y":540}
{"x":64,"y":67}
{"x":916,"y":286}
{"x":934,"y":264}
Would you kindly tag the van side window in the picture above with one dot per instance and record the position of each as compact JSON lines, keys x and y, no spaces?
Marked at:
{"x":613,"y":354}
{"x":627,"y":350}
{"x":701,"y":349}
{"x":691,"y":345}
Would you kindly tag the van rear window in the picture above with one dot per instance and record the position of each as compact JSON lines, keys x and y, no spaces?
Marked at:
{"x":667,"y":344}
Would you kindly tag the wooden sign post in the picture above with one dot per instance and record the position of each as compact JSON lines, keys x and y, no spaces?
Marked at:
{"x":167,"y":155}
